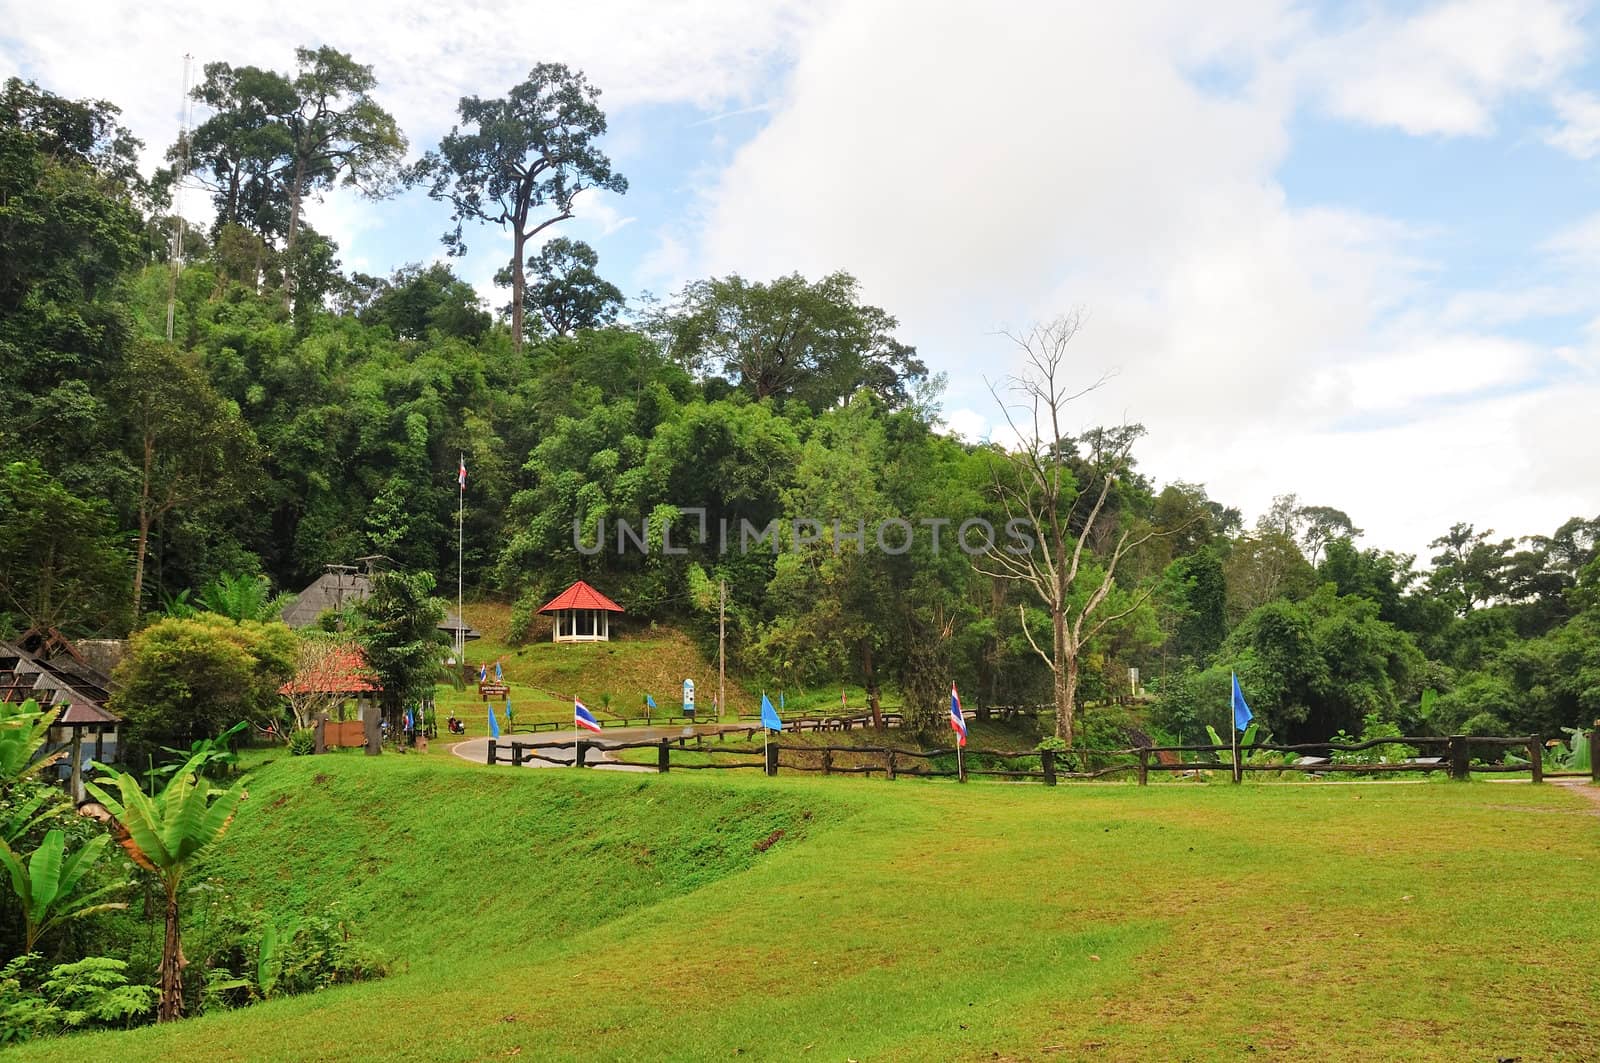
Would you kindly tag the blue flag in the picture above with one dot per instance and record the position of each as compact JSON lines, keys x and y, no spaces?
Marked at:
{"x":650,"y":701}
{"x":780,"y":699}
{"x":769,"y":715}
{"x":508,"y":714}
{"x":497,"y":676}
{"x":1241,"y":712}
{"x":494,"y":725}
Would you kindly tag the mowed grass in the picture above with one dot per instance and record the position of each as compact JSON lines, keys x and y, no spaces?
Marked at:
{"x":582,"y":915}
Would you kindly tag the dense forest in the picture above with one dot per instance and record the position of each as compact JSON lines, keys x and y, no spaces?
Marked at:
{"x":261,"y":411}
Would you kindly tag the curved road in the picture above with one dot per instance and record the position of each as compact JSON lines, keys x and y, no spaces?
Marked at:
{"x":477,"y":749}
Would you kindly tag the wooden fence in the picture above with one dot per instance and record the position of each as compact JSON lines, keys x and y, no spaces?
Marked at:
{"x":1315,"y":758}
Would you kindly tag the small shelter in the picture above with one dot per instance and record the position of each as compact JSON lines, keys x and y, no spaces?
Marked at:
{"x":580,"y":614}
{"x":46,"y":667}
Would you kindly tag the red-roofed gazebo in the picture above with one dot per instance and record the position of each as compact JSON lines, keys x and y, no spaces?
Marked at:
{"x":581,"y":614}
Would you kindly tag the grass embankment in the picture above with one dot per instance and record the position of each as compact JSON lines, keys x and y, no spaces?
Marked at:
{"x":544,"y":676}
{"x":566,"y":915}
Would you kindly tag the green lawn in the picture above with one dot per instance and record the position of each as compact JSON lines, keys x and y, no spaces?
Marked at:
{"x":565,"y":915}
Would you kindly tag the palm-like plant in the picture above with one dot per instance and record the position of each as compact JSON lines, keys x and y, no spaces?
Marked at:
{"x":162,"y":833}
{"x":244,"y":598}
{"x":24,"y":729}
{"x":46,"y":884}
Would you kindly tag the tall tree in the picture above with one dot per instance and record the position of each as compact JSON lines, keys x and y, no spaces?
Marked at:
{"x":1320,"y":525}
{"x":400,"y":631}
{"x":567,"y":294}
{"x":190,"y":444}
{"x":274,"y":140}
{"x":817,"y":342}
{"x":63,"y":563}
{"x":337,"y":135}
{"x":1470,"y":568}
{"x":1071,"y":564}
{"x":521,"y":162}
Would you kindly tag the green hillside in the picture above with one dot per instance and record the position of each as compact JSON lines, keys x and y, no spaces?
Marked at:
{"x":558,"y":915}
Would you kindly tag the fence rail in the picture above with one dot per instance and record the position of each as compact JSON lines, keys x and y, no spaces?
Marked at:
{"x":894,"y":761}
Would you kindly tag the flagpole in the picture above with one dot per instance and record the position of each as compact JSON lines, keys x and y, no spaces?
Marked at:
{"x":461,"y":511}
{"x":1233,"y":727}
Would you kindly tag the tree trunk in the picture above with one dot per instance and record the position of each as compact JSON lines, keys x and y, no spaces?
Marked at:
{"x":871,"y":675}
{"x":172,"y":962}
{"x":1061,"y":662}
{"x":296,"y":192}
{"x":144,"y":528}
{"x":519,"y":285}
{"x":1066,"y":693}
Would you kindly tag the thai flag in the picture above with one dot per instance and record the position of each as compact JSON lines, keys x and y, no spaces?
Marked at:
{"x":483,"y":673}
{"x":583,"y":717}
{"x":958,"y":723}
{"x":461,"y":475}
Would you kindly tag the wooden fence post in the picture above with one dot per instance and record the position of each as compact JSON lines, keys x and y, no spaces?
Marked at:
{"x":664,"y":757}
{"x":771,"y":758}
{"x":889,"y":771}
{"x":1458,"y":757}
{"x":372,"y":729}
{"x":1536,"y":758}
{"x":580,"y":750}
{"x":1144,"y":766}
{"x":491,"y":752}
{"x":516,"y":754}
{"x":1594,"y":753}
{"x":1047,"y":762}
{"x":827,"y":762}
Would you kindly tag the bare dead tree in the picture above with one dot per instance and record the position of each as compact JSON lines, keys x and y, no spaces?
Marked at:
{"x":1075,"y":539}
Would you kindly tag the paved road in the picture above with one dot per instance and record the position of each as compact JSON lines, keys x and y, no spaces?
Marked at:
{"x":477,"y":749}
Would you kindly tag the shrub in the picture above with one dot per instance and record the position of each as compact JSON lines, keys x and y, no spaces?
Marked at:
{"x":302,"y":742}
{"x":92,"y":992}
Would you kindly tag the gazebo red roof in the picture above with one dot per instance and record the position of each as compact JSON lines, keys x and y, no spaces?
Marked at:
{"x":344,"y":671}
{"x":581,"y":596}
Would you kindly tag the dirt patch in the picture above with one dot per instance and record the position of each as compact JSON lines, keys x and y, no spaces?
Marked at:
{"x":1588,"y":791}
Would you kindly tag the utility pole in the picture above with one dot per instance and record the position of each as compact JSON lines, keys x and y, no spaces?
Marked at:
{"x":177,"y":202}
{"x":722,"y":635}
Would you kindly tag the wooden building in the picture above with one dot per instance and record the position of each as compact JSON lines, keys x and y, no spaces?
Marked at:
{"x":46,"y":667}
{"x":342,"y":586}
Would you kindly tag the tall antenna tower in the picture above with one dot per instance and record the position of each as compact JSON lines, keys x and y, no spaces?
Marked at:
{"x":186,"y":109}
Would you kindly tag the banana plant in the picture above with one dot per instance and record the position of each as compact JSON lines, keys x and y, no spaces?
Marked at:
{"x":1247,"y":737}
{"x":24,"y":729}
{"x":163,"y":833}
{"x":46,"y":885}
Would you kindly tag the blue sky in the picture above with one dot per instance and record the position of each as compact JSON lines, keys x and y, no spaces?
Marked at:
{"x":1348,"y":250}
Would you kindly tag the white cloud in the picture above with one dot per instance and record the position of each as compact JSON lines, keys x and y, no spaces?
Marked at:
{"x":425,"y":55}
{"x":1579,"y":133}
{"x":987,"y":170}
{"x":967,"y":424}
{"x":598,"y":210}
{"x":1444,"y":69}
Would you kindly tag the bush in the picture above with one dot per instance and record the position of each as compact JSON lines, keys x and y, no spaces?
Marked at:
{"x":93,"y":992}
{"x":255,"y":958}
{"x":302,"y":742}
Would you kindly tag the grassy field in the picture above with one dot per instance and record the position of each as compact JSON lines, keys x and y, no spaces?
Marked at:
{"x":566,"y":915}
